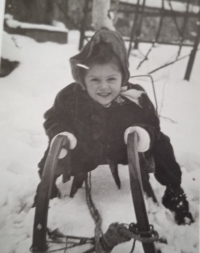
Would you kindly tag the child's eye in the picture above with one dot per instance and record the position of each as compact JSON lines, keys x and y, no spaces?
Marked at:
{"x":111,"y":79}
{"x":94,"y":80}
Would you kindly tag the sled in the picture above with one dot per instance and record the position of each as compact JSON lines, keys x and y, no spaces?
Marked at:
{"x":44,"y":192}
{"x":137,"y":179}
{"x":136,"y":183}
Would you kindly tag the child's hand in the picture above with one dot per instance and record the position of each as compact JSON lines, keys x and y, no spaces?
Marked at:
{"x":72,"y":140}
{"x":144,"y":139}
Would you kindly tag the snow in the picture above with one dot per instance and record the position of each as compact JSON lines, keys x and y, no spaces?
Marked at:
{"x":30,"y":90}
{"x":57,"y":26}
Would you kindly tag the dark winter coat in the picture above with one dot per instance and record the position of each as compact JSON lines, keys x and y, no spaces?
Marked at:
{"x":99,"y":130}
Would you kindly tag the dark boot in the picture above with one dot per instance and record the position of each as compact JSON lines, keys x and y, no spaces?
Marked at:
{"x":175,"y":200}
{"x":77,"y":183}
{"x":54,"y":192}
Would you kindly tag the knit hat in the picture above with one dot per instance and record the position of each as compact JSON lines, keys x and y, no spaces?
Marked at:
{"x":117,"y":44}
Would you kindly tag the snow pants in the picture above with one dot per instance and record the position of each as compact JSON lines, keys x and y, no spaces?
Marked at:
{"x":167,"y":170}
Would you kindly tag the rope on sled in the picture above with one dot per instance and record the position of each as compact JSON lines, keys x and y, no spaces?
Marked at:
{"x":117,"y":233}
{"x":94,"y":213}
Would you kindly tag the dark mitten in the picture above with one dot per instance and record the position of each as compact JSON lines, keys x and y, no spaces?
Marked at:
{"x":175,"y":200}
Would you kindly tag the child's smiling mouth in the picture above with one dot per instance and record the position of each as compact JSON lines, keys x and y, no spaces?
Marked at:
{"x":104,"y":94}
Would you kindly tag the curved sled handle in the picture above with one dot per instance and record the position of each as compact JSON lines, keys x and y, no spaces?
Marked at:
{"x":44,"y":192}
{"x":61,"y":141}
{"x":133,"y":156}
{"x":137,"y":191}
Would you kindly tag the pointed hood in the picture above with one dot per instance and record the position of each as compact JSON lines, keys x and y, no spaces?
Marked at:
{"x":117,"y":44}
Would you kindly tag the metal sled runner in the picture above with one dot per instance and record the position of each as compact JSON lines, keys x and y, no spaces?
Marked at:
{"x":141,"y":231}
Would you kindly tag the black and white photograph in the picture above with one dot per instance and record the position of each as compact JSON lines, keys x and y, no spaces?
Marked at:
{"x":99,"y":126}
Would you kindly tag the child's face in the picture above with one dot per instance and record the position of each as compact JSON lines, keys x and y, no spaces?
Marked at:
{"x":103,"y":83}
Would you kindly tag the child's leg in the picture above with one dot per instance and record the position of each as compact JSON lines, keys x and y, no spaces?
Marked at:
{"x":76,"y":169}
{"x":167,"y":170}
{"x":168,"y":173}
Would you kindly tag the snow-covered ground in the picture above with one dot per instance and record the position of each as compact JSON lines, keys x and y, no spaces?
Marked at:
{"x":57,"y":26}
{"x":30,"y":90}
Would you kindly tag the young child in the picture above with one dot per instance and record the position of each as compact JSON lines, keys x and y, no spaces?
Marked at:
{"x":100,"y":109}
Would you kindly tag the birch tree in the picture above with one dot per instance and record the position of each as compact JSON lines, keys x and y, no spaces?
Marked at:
{"x":100,"y":15}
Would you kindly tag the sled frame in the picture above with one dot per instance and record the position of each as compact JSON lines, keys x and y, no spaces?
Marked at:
{"x":44,"y":192}
{"x":39,"y":243}
{"x":137,"y":192}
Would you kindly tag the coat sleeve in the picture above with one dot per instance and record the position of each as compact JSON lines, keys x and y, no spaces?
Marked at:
{"x":59,"y":117}
{"x":150,"y":121}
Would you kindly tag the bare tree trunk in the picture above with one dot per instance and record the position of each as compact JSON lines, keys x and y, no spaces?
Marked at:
{"x":55,"y":11}
{"x":100,"y":15}
{"x":115,"y":11}
{"x":38,"y":11}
